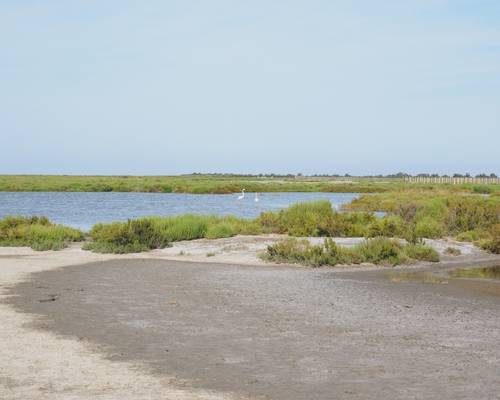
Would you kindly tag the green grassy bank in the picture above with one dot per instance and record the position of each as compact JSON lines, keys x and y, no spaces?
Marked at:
{"x":219,"y":184}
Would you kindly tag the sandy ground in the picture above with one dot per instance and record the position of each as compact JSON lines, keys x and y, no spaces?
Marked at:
{"x":40,"y":359}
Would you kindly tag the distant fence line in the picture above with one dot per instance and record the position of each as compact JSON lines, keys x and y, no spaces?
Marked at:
{"x":450,"y":180}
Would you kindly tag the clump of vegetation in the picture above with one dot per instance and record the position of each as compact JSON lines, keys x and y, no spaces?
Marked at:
{"x":468,"y":236}
{"x":36,"y":232}
{"x":303,"y":219}
{"x":452,"y":251}
{"x":316,"y":218}
{"x":158,"y":232}
{"x":434,"y":214}
{"x":128,"y":237}
{"x":389,"y":226}
{"x":491,"y":242}
{"x":375,"y":251}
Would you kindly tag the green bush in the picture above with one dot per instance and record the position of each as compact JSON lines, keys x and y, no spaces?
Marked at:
{"x":308,"y":219}
{"x":36,"y":232}
{"x":221,"y":230}
{"x":381,"y":250}
{"x":131,"y":236}
{"x":389,"y":226}
{"x":183,"y":227}
{"x":157,"y":232}
{"x":468,"y":236}
{"x":492,"y":244}
{"x":469,"y":213}
{"x":376,"y":251}
{"x":428,"y":227}
{"x":421,"y":252}
{"x":315,"y":219}
{"x":435,"y":213}
{"x":352,"y":224}
{"x":270,"y":222}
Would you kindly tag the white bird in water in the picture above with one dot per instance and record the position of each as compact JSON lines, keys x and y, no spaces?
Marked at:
{"x":242,"y":196}
{"x":257,"y":197}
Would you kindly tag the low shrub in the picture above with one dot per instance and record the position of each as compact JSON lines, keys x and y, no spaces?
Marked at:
{"x":468,"y":236}
{"x":126,"y":237}
{"x":421,"y":252}
{"x":428,"y":227}
{"x":435,"y":213}
{"x":389,"y":226}
{"x":183,"y":227}
{"x":36,"y":232}
{"x":376,"y":251}
{"x":220,"y":230}
{"x":316,"y":219}
{"x":380,"y":251}
{"x":307,"y":219}
{"x":492,"y":244}
{"x":157,"y":232}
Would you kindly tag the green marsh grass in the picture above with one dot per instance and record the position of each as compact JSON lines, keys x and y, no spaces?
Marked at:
{"x":435,"y":214}
{"x":36,"y":232}
{"x":216,"y":183}
{"x":410,"y":217}
{"x":375,"y":251}
{"x":158,"y":232}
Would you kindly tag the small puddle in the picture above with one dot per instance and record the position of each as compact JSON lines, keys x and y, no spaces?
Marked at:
{"x":477,"y":273}
{"x":443,"y":277}
{"x":421,"y":277}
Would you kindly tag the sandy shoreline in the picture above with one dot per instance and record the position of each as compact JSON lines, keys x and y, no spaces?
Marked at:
{"x":37,"y":364}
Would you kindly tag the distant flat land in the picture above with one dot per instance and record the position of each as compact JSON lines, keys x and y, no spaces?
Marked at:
{"x":218,"y":184}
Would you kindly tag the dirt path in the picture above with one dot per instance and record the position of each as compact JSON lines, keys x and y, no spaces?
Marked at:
{"x":143,"y":328}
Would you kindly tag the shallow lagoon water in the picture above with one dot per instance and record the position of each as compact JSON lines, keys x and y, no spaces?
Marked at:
{"x":82,"y":210}
{"x":478,"y":280}
{"x":437,"y":276}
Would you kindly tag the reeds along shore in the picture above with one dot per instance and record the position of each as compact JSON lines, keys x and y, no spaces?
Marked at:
{"x":410,"y":215}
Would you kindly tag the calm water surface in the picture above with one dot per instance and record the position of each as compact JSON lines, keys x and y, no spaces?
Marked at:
{"x":82,"y":210}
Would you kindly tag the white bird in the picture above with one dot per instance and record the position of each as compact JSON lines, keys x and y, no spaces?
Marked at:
{"x":242,"y":194}
{"x":256,"y":197}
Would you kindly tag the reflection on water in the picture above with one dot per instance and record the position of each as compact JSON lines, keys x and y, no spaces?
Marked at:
{"x":82,"y":210}
{"x":444,"y":276}
{"x":477,"y":273}
{"x":478,"y":280}
{"x":421,"y":277}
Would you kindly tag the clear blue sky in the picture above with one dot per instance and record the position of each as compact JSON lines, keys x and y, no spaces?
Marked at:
{"x":167,"y":87}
